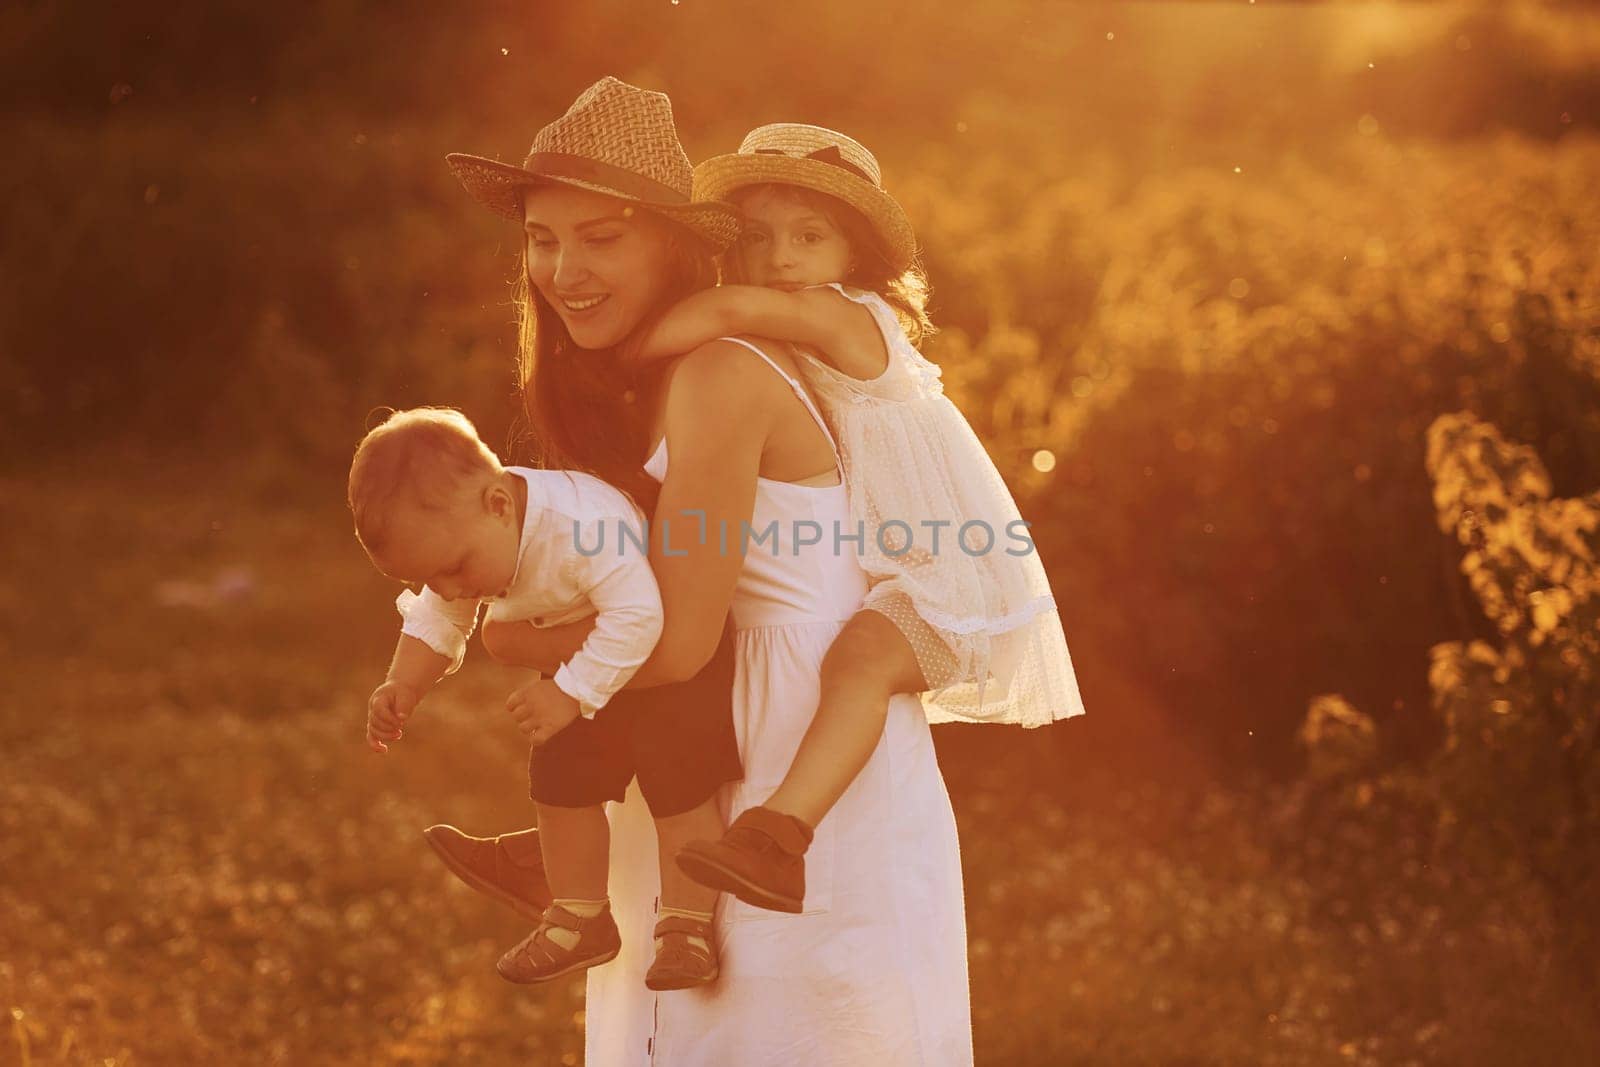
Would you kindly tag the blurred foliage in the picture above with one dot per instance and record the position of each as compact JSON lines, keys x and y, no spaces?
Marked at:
{"x":1519,"y":772}
{"x":1513,"y":791}
{"x":1236,"y":371}
{"x":1339,"y":739}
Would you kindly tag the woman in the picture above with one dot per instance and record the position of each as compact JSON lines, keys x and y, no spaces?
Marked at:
{"x":874,"y":969}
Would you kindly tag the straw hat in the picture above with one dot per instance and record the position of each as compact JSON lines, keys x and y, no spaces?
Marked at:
{"x":816,"y":158}
{"x":615,"y":139}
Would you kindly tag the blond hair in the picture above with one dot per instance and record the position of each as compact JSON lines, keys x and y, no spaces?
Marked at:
{"x":421,"y":456}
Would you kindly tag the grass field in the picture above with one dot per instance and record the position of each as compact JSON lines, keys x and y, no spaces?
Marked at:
{"x":201,"y":863}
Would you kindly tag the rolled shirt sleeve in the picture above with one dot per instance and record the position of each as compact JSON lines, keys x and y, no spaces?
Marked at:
{"x":443,"y":625}
{"x":627,"y":626}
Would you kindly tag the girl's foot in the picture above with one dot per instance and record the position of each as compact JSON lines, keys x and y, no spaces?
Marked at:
{"x":760,"y":860}
{"x":681,"y":963}
{"x":539,"y":957}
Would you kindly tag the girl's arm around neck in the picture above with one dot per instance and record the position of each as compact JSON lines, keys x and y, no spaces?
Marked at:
{"x":841,"y":331}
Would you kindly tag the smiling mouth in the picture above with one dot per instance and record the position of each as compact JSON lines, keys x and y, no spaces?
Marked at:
{"x":787,"y":287}
{"x":587,"y":303}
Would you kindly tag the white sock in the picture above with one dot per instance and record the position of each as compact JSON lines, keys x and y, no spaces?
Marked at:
{"x":684,"y":913}
{"x":583,"y":909}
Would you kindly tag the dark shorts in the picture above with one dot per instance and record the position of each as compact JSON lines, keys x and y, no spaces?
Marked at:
{"x":677,"y":739}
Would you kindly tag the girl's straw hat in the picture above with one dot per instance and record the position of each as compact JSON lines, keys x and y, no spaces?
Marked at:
{"x":615,"y":139}
{"x":823,"y":160}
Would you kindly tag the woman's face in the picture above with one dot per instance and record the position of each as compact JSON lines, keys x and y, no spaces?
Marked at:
{"x":600,"y":262}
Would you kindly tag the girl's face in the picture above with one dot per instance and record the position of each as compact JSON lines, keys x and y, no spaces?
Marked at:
{"x":788,"y":244}
{"x":600,"y":262}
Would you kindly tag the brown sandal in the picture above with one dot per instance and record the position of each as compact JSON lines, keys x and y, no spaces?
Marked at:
{"x":538,"y":958}
{"x":682,"y":964}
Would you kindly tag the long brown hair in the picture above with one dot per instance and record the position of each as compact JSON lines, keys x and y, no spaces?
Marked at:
{"x":904,"y":290}
{"x":581,"y":408}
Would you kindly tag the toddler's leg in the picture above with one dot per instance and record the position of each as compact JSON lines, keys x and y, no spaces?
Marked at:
{"x":678,"y":890}
{"x":577,"y":930}
{"x":868,"y":663}
{"x":686,"y":955}
{"x":577,"y":851}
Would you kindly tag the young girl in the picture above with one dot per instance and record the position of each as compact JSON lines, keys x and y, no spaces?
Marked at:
{"x":960,"y":608}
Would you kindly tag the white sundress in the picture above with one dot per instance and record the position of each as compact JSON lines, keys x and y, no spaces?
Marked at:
{"x":981,"y":619}
{"x":873,"y":972}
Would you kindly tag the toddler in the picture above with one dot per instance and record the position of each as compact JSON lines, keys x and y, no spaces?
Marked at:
{"x":434,"y":506}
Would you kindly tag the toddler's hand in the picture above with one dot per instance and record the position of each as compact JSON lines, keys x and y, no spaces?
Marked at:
{"x":541,"y":710}
{"x":390,"y":705}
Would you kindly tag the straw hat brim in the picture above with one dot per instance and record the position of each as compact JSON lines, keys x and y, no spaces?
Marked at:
{"x":499,"y":187}
{"x":720,"y":176}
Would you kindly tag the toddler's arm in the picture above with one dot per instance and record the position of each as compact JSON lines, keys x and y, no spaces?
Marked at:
{"x":433,"y":641}
{"x":627,"y":625}
{"x":819,"y":318}
{"x":442,"y":625}
{"x":416,"y":666}
{"x":413,"y":672}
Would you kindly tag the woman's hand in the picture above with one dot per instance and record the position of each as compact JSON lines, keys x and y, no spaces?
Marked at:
{"x":541,"y":710}
{"x":545,"y":649}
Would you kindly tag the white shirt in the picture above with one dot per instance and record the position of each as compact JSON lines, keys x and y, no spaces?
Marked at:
{"x":573,"y":561}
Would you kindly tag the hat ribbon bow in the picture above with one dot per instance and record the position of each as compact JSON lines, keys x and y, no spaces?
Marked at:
{"x":828,"y":154}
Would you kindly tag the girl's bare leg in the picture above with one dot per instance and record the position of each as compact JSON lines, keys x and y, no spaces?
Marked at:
{"x":869,"y":662}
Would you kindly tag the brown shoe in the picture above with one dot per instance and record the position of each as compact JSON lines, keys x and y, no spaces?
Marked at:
{"x":537,"y":958}
{"x":508,"y":868}
{"x":760,"y":860}
{"x":682,"y":964}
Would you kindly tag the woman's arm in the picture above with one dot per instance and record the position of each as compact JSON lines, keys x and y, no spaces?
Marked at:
{"x":543,"y":648}
{"x":711,"y":485}
{"x":713,"y":469}
{"x":819,"y":318}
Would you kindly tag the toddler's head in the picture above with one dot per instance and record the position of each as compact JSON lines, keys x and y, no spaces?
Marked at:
{"x":433,"y":505}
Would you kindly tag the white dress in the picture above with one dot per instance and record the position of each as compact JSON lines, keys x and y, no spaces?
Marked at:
{"x":971,"y":594}
{"x":873,"y":972}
